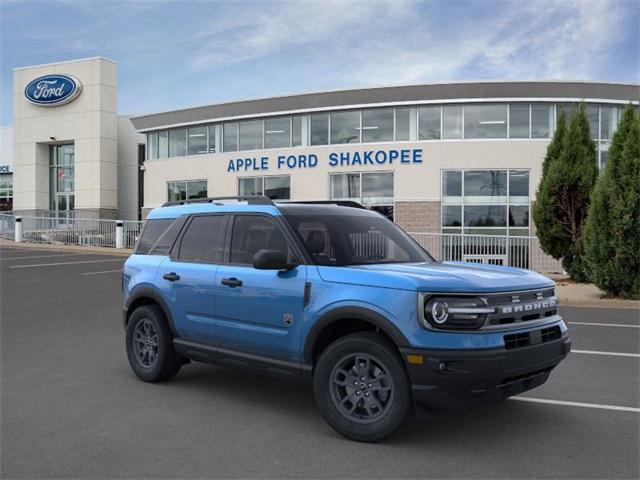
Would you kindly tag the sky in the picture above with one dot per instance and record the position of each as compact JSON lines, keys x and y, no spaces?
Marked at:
{"x":176,"y":54}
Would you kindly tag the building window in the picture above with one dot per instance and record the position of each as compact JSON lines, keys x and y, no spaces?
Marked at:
{"x":429,"y":123}
{"x":452,"y":121}
{"x":485,"y":202}
{"x":541,"y":120}
{"x":251,"y":135}
{"x":485,"y":121}
{"x":178,"y":142}
{"x":345,"y":127}
{"x":296,"y":131}
{"x":6,"y":192}
{"x":374,"y":190}
{"x":403,"y":124}
{"x":277,"y":132}
{"x":62,"y":176}
{"x":212,"y":138}
{"x":163,"y":144}
{"x":377,"y":125}
{"x":186,"y":190}
{"x":592,"y":112}
{"x":276,"y":187}
{"x":519,"y":120}
{"x":152,"y":146}
{"x":197,"y":140}
{"x":230,"y":137}
{"x":608,"y":122}
{"x":320,"y":129}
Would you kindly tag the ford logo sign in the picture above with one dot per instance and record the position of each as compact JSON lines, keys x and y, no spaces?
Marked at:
{"x":53,"y":90}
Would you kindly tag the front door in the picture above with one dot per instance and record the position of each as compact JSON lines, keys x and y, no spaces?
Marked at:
{"x":187,"y":279}
{"x":259,"y":311}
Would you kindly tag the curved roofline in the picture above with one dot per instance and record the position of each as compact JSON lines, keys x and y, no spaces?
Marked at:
{"x":394,"y":94}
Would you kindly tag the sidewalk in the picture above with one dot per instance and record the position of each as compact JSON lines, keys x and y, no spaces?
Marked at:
{"x":570,"y":294}
{"x":125,"y":252}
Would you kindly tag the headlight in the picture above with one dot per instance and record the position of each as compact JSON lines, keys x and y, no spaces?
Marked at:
{"x":455,"y":312}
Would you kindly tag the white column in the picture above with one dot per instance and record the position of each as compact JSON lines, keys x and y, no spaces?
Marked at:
{"x":18,"y":230}
{"x":119,"y":234}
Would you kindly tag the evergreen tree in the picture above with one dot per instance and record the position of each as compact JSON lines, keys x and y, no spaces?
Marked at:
{"x":612,"y":233}
{"x":563,"y":197}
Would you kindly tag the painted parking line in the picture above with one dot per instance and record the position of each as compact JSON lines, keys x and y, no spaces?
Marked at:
{"x":104,"y":271}
{"x":68,"y":263}
{"x":41,"y":256}
{"x":577,"y":404}
{"x":604,"y":324}
{"x":613,"y":354}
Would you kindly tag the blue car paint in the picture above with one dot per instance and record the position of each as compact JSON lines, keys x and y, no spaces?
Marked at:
{"x":252,"y":319}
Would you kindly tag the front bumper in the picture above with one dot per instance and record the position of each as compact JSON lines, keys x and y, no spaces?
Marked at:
{"x":453,"y":379}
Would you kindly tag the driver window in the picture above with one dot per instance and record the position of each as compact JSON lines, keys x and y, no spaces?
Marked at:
{"x":252,"y":233}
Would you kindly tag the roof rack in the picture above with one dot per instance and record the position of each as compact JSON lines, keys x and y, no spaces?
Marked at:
{"x":340,"y":203}
{"x":250,"y":199}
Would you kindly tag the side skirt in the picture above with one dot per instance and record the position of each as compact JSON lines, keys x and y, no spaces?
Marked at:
{"x":201,"y":352}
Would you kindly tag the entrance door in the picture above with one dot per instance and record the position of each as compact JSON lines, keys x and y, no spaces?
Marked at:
{"x":259,"y":311}
{"x":62,"y":180}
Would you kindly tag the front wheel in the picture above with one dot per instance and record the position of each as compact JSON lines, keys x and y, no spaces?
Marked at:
{"x":150,"y":345}
{"x":361,"y":387}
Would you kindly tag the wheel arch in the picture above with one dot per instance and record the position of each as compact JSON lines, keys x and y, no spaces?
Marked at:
{"x":321,"y":333}
{"x":148,"y":296}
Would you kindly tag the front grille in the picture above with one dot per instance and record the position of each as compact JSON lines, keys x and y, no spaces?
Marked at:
{"x":535,"y":337}
{"x":517,"y":307}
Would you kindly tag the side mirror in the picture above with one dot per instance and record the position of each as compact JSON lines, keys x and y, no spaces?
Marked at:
{"x":271,"y":260}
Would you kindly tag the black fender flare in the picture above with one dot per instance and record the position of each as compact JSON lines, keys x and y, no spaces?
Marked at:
{"x":351,"y":313}
{"x":151,"y":293}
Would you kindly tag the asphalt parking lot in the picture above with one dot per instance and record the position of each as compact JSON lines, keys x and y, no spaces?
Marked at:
{"x":71,"y":407}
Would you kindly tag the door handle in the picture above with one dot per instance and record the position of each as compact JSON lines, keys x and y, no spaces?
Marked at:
{"x":231,"y":282}
{"x":172,"y":276}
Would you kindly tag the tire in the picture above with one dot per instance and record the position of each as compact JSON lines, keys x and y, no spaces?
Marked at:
{"x":150,"y":345}
{"x":369,"y":410}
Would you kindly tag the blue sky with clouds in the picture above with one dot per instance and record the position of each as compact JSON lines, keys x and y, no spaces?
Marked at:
{"x":174,"y":54}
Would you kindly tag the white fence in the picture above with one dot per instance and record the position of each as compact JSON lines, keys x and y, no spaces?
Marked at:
{"x":71,"y":231}
{"x":521,"y":252}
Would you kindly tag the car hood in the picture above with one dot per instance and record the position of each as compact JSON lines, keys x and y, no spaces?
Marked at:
{"x":457,"y":277}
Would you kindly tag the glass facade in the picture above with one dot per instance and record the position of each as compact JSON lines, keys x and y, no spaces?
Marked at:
{"x":186,"y":190}
{"x":374,"y":190}
{"x":62,"y":178}
{"x":486,"y":202}
{"x":386,"y":124}
{"x":6,"y":192}
{"x":276,"y":187}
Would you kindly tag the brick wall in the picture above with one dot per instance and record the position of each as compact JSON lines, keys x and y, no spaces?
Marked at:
{"x":418,"y":216}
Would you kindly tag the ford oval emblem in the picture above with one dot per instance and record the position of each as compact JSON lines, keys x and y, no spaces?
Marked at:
{"x":53,"y":90}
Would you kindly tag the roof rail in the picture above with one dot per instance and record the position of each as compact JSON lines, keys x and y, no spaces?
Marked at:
{"x":341,"y":203}
{"x":250,"y":199}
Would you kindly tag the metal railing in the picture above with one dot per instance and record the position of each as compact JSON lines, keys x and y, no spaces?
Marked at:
{"x":520,"y":252}
{"x":7,"y":226}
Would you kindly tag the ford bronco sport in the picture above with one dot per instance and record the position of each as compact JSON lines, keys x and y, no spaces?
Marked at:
{"x":339,"y":296}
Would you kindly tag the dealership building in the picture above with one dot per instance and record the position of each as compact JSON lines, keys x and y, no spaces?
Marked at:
{"x":449,"y":157}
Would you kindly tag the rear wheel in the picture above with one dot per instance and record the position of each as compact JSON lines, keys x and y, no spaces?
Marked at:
{"x":150,"y":345}
{"x":361,"y":387}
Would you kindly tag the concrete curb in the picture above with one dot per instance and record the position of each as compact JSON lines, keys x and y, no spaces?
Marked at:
{"x":125,"y":252}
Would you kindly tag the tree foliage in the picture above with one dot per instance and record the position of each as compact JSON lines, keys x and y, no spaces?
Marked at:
{"x":612,"y":233}
{"x":569,"y":174}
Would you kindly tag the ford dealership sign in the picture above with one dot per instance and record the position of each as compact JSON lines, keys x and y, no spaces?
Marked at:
{"x":53,"y":90}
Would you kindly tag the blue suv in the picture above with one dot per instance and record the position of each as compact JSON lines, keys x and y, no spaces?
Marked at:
{"x":338,"y":296}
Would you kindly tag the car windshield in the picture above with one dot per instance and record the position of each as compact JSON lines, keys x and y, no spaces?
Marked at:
{"x":343,"y":240}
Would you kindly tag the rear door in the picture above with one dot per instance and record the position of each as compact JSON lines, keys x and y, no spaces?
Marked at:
{"x":260,"y":311}
{"x":187,"y":278}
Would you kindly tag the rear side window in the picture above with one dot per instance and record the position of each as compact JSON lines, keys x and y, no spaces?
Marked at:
{"x":153,"y":229}
{"x":203,"y":241}
{"x":168,"y":238}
